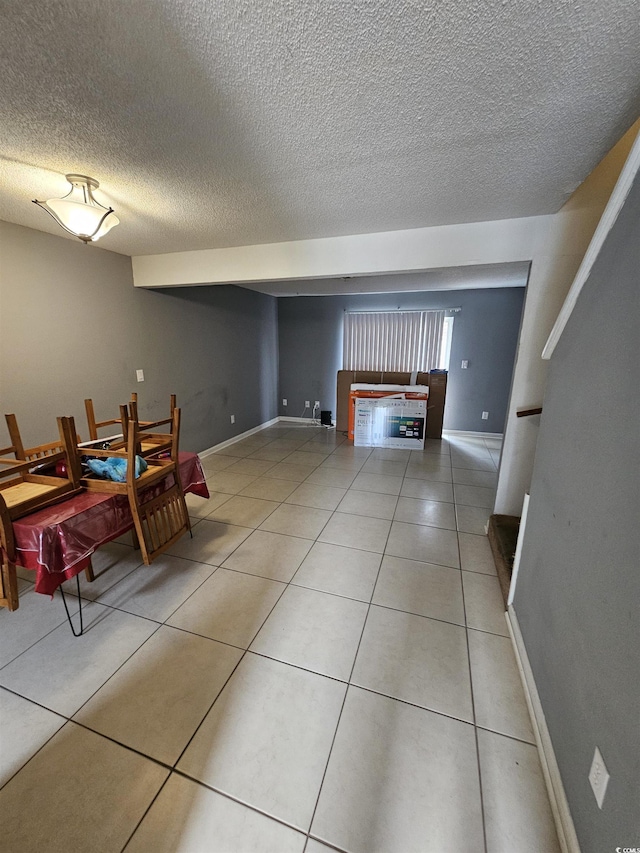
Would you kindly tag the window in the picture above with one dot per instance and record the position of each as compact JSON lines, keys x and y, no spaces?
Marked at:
{"x":397,"y":340}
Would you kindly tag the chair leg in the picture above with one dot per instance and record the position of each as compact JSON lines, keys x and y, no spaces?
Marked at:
{"x":88,"y":572}
{"x":9,"y":579}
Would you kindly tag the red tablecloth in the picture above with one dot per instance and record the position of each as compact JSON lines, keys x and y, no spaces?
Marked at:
{"x":57,"y":542}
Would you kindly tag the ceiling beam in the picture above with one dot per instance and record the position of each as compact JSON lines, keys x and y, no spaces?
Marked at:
{"x":499,"y":241}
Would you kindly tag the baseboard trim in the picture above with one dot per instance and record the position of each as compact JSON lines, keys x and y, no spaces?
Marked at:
{"x":551,"y":772}
{"x":236,"y":438}
{"x":463,"y":433}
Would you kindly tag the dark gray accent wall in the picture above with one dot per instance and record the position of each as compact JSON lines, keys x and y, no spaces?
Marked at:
{"x":485,"y":333}
{"x":73,"y":326}
{"x":578,"y":588}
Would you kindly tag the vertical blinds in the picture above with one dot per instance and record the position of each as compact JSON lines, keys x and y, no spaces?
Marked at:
{"x":398,"y":340}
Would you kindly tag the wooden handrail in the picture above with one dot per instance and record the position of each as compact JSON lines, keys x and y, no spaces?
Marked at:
{"x":524,"y":413}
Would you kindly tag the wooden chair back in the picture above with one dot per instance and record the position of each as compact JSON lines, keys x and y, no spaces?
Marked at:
{"x":95,"y":425}
{"x":153,"y":442}
{"x":23,"y":491}
{"x":39,"y":452}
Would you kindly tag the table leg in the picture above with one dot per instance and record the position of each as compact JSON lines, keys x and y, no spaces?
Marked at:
{"x":9,"y":597}
{"x":88,"y":572}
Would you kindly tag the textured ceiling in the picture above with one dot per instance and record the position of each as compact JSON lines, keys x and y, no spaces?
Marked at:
{"x":215,"y":123}
{"x":450,"y":278}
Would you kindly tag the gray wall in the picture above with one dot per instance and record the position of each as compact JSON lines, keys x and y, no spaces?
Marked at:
{"x":485,"y":333}
{"x":73,"y":326}
{"x":579,"y":583}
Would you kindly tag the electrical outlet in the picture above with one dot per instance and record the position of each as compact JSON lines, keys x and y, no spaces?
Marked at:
{"x":233,"y":419}
{"x":140,"y":375}
{"x":306,"y":404}
{"x":464,"y":365}
{"x":284,"y":401}
{"x":316,"y":405}
{"x":485,"y":416}
{"x":599,"y":777}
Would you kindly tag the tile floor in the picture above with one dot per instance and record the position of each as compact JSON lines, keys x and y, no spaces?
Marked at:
{"x":325,"y":665}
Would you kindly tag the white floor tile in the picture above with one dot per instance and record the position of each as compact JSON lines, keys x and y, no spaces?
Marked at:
{"x":339,"y":570}
{"x":70,"y":796}
{"x":303,"y":521}
{"x":266,"y":739}
{"x":269,"y":555}
{"x":484,"y":603}
{"x":400,"y":780}
{"x":189,"y":818}
{"x":313,"y":630}
{"x":476,"y":554}
{"x":155,"y":702}
{"x":255,"y":467}
{"x":431,"y":513}
{"x":474,"y":496}
{"x":231,"y":484}
{"x":375,"y":465}
{"x":418,"y":660}
{"x":288,"y":471}
{"x":382,"y":483}
{"x":434,"y":473}
{"x":268,"y":489}
{"x":26,"y":727}
{"x":320,"y":497}
{"x":369,"y":534}
{"x":371,"y":504}
{"x":244,"y":511}
{"x":516,"y":806}
{"x":201,"y":507}
{"x":62,"y":671}
{"x":470,"y":477}
{"x":229,"y":607}
{"x":497,"y":689}
{"x":420,"y":588}
{"x":331,"y":477}
{"x":426,"y":544}
{"x":427,"y":490}
{"x":36,"y":617}
{"x":157,"y":590}
{"x":472,"y":519}
{"x":212,"y":542}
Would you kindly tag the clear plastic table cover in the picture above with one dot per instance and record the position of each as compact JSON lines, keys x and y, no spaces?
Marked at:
{"x":57,"y":542}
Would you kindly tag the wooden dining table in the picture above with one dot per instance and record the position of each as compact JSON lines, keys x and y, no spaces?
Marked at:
{"x":57,"y":542}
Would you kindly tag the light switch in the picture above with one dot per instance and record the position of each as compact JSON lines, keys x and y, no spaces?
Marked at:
{"x":140,"y":375}
{"x":465,"y":364}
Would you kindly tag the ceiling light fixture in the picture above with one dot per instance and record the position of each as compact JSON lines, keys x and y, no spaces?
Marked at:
{"x":78,"y":212}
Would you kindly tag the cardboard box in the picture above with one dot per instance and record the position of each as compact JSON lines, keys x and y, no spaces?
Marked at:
{"x":388,"y":415}
{"x":437,"y":383}
{"x":390,"y":422}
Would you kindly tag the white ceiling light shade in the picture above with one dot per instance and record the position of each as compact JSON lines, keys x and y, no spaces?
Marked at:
{"x":78,"y":212}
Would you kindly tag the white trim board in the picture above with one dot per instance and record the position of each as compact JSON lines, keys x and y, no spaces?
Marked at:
{"x":606,"y":223}
{"x":550,"y":770}
{"x":236,"y":438}
{"x":462,"y":433}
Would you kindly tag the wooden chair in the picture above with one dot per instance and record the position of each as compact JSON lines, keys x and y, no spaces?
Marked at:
{"x":152,"y":442}
{"x":38,"y":453}
{"x":156,"y":498}
{"x":23,"y":492}
{"x":95,"y":425}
